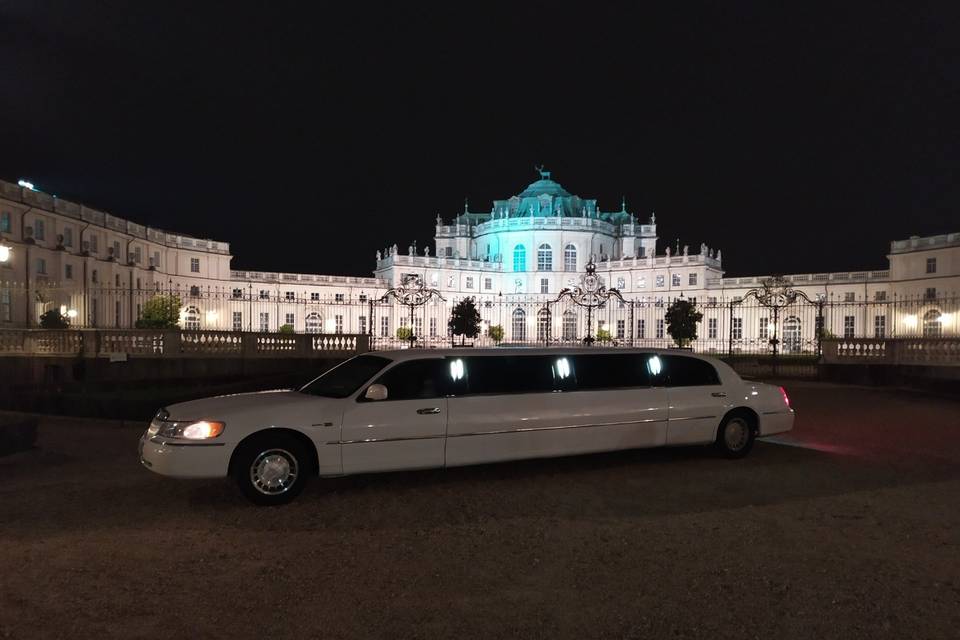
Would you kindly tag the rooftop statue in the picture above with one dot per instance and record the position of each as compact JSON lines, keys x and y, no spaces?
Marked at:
{"x":544,"y":175}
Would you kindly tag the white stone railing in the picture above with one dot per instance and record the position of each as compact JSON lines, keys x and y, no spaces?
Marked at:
{"x":911,"y":244}
{"x":92,"y":343}
{"x":308,"y":278}
{"x":892,"y":351}
{"x":855,"y":276}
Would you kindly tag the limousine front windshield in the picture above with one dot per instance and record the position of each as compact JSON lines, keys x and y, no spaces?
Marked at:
{"x":344,"y":379}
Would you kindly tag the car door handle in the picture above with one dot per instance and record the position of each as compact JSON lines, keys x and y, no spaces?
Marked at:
{"x":719,"y":394}
{"x":428,"y":410}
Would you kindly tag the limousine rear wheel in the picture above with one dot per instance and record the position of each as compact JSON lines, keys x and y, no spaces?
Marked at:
{"x":735,"y":435}
{"x":271,"y":469}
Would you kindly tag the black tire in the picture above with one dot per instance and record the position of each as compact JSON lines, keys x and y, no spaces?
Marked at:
{"x":272,"y":469}
{"x":735,"y":435}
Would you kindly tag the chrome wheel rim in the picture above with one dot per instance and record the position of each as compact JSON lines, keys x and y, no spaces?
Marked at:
{"x":736,"y":435}
{"x":274,"y":471}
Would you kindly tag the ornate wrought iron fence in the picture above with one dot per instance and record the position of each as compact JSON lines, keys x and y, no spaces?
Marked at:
{"x":729,"y":325}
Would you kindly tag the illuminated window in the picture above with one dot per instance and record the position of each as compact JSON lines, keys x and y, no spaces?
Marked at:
{"x":849,"y":326}
{"x":519,"y":325}
{"x":659,"y":328}
{"x":621,"y":329}
{"x":264,"y":321}
{"x":569,"y":324}
{"x":712,"y":328}
{"x":191,"y":318}
{"x":569,"y":258}
{"x":544,"y":285}
{"x":692,"y":279}
{"x":238,"y":321}
{"x":313,"y":323}
{"x":289,"y":319}
{"x":660,"y":281}
{"x":338,"y":324}
{"x":675,"y":280}
{"x":195,"y":265}
{"x":791,"y":335}
{"x":879,"y":326}
{"x":544,"y":258}
{"x":932,"y":324}
{"x":737,"y":332}
{"x":5,"y":222}
{"x":543,"y":325}
{"x":519,"y":258}
{"x":641,"y":329}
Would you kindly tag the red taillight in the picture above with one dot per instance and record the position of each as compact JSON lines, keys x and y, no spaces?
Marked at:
{"x":786,"y":398}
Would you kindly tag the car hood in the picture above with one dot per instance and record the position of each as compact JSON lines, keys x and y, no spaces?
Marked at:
{"x":280,"y":406}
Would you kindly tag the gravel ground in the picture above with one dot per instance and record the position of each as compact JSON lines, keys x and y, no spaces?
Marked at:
{"x":845,"y":528}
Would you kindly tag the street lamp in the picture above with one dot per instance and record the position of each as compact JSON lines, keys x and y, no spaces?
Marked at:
{"x":4,"y":253}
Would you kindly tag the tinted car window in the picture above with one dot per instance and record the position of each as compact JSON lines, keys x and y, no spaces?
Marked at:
{"x":689,"y":372}
{"x":344,"y":379}
{"x":416,"y":379}
{"x":516,"y":374}
{"x":611,"y":371}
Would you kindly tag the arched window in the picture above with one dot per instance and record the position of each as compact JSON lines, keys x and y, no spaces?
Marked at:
{"x":570,"y":325}
{"x":519,"y":326}
{"x":791,"y":335}
{"x":931,"y":324}
{"x":543,"y":325}
{"x":569,"y":258}
{"x":313,"y":323}
{"x":519,"y":258}
{"x":191,"y":318}
{"x":544,"y":258}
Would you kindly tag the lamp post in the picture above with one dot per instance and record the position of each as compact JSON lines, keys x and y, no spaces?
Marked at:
{"x":4,"y":254}
{"x":590,"y":294}
{"x":412,"y":293}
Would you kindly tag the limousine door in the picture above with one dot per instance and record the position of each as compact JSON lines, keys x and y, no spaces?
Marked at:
{"x":404,"y":431}
{"x":529,"y":406}
{"x":697,"y":400}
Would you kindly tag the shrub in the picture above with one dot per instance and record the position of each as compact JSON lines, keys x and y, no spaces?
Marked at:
{"x":162,"y":311}
{"x":53,"y":319}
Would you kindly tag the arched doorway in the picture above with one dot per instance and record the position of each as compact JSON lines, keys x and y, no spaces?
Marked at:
{"x":518,"y":326}
{"x":570,"y":325}
{"x":932,"y":324}
{"x":792,"y":340}
{"x":543,"y":325}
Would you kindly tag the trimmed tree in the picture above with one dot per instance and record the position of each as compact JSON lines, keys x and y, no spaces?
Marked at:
{"x":404,"y":334}
{"x":53,"y":319}
{"x":496,"y":333}
{"x":162,"y":311}
{"x":682,"y":318}
{"x":465,"y":320}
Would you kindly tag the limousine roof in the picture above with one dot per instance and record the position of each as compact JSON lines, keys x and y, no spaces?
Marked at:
{"x":413,"y":354}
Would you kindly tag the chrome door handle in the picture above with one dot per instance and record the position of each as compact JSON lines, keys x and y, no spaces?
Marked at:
{"x":428,"y":410}
{"x":719,"y":394}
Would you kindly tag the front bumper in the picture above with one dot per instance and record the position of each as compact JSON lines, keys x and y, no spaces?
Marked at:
{"x":185,"y":459}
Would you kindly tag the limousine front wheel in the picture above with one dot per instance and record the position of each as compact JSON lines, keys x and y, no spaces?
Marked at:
{"x":735,"y":435}
{"x":271,"y":470}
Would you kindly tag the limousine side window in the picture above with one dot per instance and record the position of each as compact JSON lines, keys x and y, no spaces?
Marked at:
{"x":416,"y":380}
{"x":346,"y":378}
{"x":611,"y":370}
{"x":517,"y":374}
{"x":689,"y":372}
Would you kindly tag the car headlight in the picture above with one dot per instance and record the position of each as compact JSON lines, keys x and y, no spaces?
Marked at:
{"x":191,"y":430}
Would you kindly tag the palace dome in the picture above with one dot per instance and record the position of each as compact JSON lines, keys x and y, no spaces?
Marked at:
{"x":544,"y":186}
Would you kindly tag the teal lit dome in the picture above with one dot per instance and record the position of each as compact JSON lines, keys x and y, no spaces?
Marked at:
{"x":544,"y":186}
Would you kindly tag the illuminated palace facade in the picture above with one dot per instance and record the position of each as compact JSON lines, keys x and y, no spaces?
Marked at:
{"x":524,"y":251}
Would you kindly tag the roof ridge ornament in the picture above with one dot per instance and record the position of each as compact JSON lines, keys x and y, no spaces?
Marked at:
{"x":544,"y":174}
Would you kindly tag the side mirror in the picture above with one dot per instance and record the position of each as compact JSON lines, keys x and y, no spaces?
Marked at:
{"x":376,"y":392}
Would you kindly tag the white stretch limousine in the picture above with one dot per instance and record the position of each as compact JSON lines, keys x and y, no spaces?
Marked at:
{"x":416,"y":409}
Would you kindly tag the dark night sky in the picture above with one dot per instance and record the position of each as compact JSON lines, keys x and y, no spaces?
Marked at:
{"x":794,"y":139}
